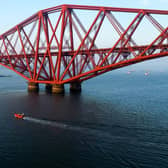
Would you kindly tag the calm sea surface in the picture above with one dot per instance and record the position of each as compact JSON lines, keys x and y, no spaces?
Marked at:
{"x":119,"y":120}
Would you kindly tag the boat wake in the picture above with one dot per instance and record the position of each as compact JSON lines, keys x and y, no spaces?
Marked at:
{"x":55,"y":124}
{"x":82,"y":129}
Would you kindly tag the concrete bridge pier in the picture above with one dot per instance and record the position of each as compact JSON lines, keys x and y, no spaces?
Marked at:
{"x":57,"y":88}
{"x":75,"y":87}
{"x":33,"y":87}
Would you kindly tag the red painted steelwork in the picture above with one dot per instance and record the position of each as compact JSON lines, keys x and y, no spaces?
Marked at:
{"x":62,"y":45}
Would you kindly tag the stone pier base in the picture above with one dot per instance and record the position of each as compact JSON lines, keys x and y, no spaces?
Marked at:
{"x":75,"y":87}
{"x":33,"y":87}
{"x":48,"y":88}
{"x":57,"y":89}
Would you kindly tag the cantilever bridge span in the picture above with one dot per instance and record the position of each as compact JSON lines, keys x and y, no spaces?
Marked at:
{"x":73,"y":43}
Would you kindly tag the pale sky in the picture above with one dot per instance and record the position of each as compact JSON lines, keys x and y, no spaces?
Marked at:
{"x":14,"y":11}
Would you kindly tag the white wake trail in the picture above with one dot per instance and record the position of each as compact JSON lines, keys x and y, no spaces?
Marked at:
{"x":54,"y":124}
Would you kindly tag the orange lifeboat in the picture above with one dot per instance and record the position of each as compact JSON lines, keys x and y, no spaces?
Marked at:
{"x":19,"y":116}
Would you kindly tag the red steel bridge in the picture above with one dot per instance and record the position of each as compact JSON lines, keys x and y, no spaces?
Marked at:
{"x":73,"y":43}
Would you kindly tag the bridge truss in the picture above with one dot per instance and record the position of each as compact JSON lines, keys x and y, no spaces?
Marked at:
{"x":71,"y":43}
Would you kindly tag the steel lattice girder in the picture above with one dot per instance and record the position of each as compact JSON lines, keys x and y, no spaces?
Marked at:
{"x":67,"y":43}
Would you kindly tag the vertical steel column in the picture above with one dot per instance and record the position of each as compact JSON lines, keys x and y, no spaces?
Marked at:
{"x":61,"y":43}
{"x":71,"y":38}
{"x":37,"y":45}
{"x":47,"y":38}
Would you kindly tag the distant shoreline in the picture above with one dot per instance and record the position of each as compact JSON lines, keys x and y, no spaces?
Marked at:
{"x":1,"y":76}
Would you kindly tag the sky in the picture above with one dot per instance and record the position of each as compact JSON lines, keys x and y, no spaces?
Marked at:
{"x":13,"y":12}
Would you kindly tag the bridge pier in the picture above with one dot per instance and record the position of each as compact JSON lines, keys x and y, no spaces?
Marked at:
{"x":48,"y":88}
{"x":33,"y":87}
{"x":57,"y":89}
{"x":75,"y":87}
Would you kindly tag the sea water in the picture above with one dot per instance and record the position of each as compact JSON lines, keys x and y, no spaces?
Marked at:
{"x":119,"y":120}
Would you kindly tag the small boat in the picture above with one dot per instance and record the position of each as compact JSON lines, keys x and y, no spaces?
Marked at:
{"x":128,"y":72}
{"x":146,"y":73}
{"x":19,"y":116}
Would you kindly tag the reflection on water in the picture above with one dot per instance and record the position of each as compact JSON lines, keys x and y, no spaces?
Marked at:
{"x":122,"y":122}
